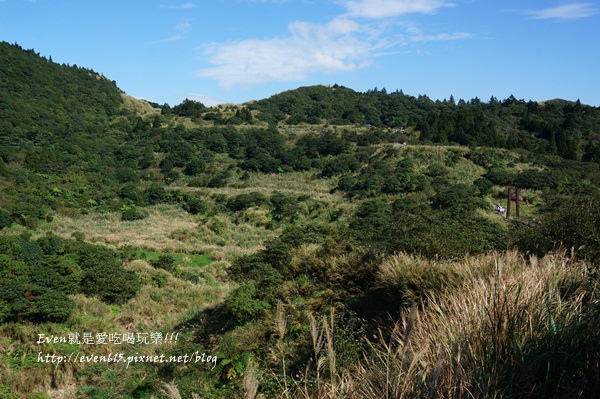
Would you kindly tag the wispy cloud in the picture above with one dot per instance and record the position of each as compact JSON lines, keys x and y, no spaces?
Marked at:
{"x":181,"y":28}
{"x":342,"y":45}
{"x":309,"y":48}
{"x":184,"y":6}
{"x":351,"y":41}
{"x":441,"y":37}
{"x":263,"y":1}
{"x":392,"y":8}
{"x":571,"y":11}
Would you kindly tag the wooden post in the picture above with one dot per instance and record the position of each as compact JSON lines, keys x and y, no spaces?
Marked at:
{"x":517,"y":200}
{"x":508,"y":203}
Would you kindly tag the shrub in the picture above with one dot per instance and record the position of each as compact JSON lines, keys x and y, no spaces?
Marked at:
{"x":575,"y":225}
{"x":10,"y":245}
{"x":132,"y":214}
{"x":257,"y":270}
{"x":30,"y":251}
{"x":129,"y":192}
{"x":484,"y":186}
{"x":13,"y":268}
{"x":78,"y":236}
{"x":244,"y":201}
{"x":104,"y":276}
{"x":111,"y":282}
{"x":12,"y":293}
{"x":195,"y":167}
{"x":126,"y":175}
{"x":219,"y":179}
{"x":457,"y":196}
{"x":52,"y":305}
{"x":243,"y":303}
{"x":166,"y":262}
{"x":61,"y":273}
{"x":195,"y":206}
{"x":171,"y":176}
{"x":6,"y":219}
{"x":159,"y":280}
{"x":154,"y":194}
{"x":51,"y":244}
{"x":285,"y":207}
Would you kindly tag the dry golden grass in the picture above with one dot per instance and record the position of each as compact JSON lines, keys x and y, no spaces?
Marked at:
{"x":488,"y":326}
{"x":140,"y":107}
{"x":296,"y":183}
{"x":167,"y":229}
{"x":460,"y":341}
{"x":166,"y":307}
{"x":107,"y":228}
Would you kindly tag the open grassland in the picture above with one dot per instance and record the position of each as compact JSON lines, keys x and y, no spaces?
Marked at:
{"x":168,"y":229}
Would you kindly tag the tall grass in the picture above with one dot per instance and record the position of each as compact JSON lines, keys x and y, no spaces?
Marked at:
{"x":492,"y":326}
{"x":522,"y":328}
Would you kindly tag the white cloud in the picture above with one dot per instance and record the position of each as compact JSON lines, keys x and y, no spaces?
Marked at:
{"x":341,"y":45}
{"x":392,"y":8}
{"x":441,"y":37}
{"x":263,"y":1}
{"x":182,"y":28}
{"x":564,"y":12}
{"x":185,"y":6}
{"x":310,"y":48}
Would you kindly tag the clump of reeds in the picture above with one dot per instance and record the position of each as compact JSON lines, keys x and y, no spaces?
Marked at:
{"x":513,"y":327}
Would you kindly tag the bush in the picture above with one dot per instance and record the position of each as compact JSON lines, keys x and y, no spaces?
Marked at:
{"x":285,"y":207}
{"x":111,"y":282}
{"x":155,"y":194}
{"x":51,"y":244}
{"x":195,"y":206}
{"x":484,"y":186}
{"x":10,"y":245}
{"x":104,"y":276}
{"x":244,"y":201}
{"x":195,"y":167}
{"x":575,"y":225}
{"x":52,"y":305}
{"x":166,"y":262}
{"x":458,"y":197}
{"x":78,"y":236}
{"x":132,"y":214}
{"x":129,"y":192}
{"x":171,"y":176}
{"x":243,"y":304}
{"x":6,"y":219}
{"x":14,"y":268}
{"x":12,"y":294}
{"x":159,"y":280}
{"x":61,"y":273}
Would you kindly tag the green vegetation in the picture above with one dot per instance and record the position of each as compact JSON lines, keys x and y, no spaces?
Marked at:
{"x":320,"y":243}
{"x":37,"y":276}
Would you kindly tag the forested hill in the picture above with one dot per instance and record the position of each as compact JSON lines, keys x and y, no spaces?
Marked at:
{"x":568,"y":129}
{"x":39,"y":97}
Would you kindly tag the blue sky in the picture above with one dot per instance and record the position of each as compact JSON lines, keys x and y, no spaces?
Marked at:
{"x":239,"y":50}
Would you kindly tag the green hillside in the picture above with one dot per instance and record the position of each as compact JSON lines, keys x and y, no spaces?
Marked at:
{"x":553,"y":127}
{"x":319,"y":243}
